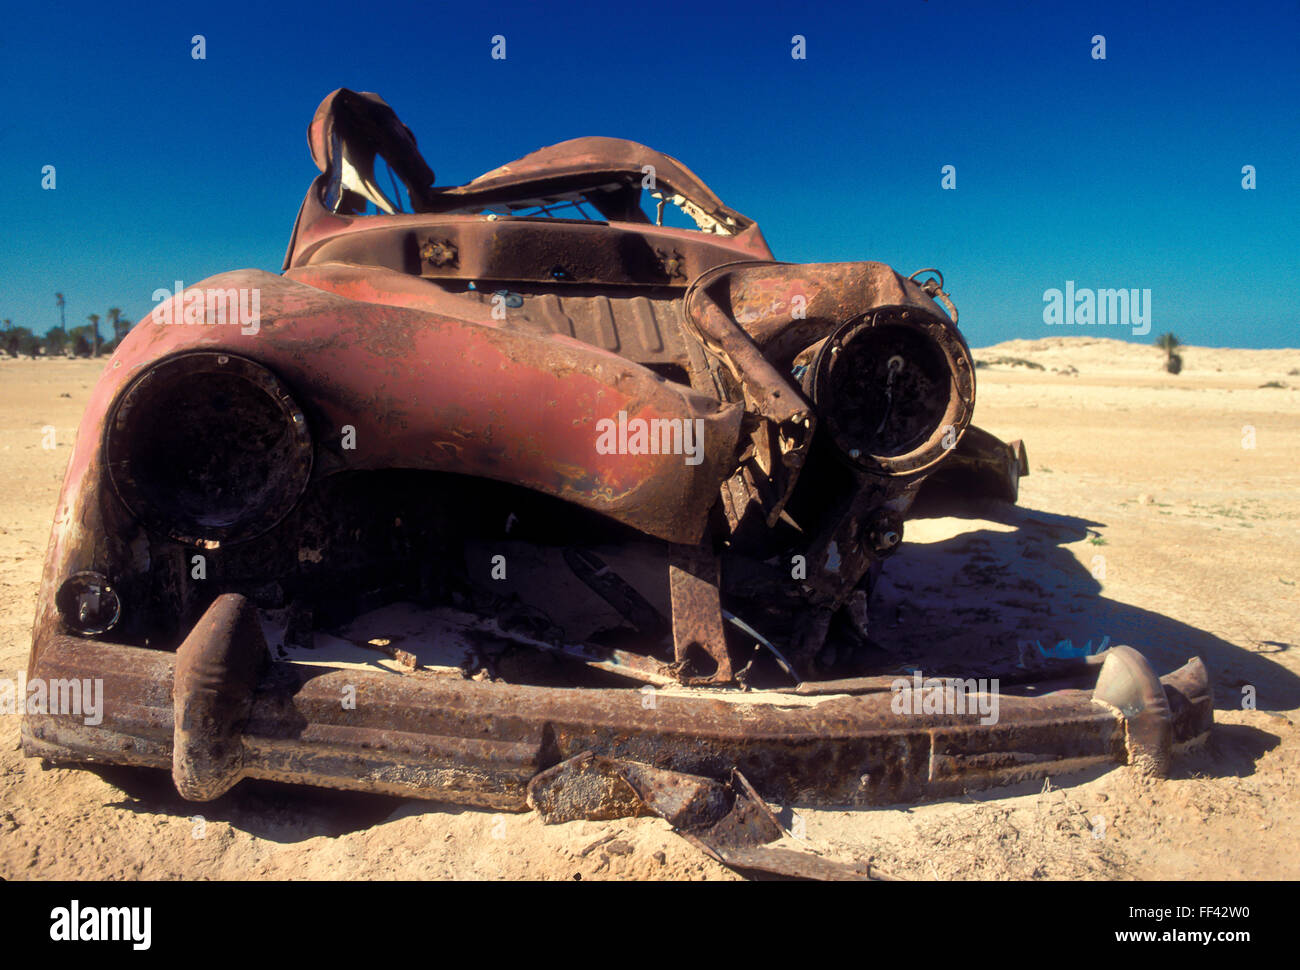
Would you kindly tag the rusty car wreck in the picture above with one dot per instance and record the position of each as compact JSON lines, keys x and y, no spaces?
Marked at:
{"x":516,"y":496}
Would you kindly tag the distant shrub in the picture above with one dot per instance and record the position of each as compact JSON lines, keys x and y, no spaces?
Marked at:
{"x":1169,"y":343}
{"x":1014,"y":362}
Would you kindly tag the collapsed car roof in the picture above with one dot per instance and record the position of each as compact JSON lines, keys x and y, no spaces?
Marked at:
{"x":352,"y":130}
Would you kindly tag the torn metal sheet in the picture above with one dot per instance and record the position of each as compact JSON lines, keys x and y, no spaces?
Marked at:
{"x":729,"y":822}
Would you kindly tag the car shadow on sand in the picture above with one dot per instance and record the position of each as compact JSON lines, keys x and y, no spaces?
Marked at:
{"x":268,"y":810}
{"x":1009,"y":580}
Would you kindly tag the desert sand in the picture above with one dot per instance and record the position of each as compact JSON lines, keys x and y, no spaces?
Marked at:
{"x":1146,"y":519}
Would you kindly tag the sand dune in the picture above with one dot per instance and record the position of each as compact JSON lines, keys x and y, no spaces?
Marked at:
{"x":1096,"y":356}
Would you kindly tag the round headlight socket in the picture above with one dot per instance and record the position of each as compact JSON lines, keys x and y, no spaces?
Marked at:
{"x":894,"y":390}
{"x":88,"y":603}
{"x":208,"y":448}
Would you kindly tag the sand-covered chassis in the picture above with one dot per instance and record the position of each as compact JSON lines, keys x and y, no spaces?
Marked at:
{"x":508,"y":493}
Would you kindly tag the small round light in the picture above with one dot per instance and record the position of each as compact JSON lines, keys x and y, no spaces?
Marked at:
{"x":88,"y":603}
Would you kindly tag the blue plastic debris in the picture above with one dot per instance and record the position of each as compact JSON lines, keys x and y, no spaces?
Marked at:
{"x":1065,"y":649}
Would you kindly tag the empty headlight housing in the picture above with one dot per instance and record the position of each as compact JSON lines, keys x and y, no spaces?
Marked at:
{"x":208,"y":448}
{"x":894,"y":389}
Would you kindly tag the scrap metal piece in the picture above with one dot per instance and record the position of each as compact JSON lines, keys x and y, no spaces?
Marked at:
{"x":584,"y":787}
{"x":730,"y":823}
{"x":749,"y":822}
{"x":742,"y":839}
{"x":624,"y":663}
{"x":588,"y":786}
{"x":979,"y":464}
{"x":773,"y":862}
{"x":763,"y":641}
{"x":693,"y":576}
{"x":1191,"y":703}
{"x":685,"y":801}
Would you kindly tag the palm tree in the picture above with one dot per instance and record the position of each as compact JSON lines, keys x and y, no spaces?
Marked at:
{"x":7,"y":323}
{"x":115,"y":319}
{"x":58,"y":301}
{"x":57,"y":341}
{"x":94,"y":323}
{"x":80,"y":339}
{"x":20,"y":340}
{"x":1169,"y":343}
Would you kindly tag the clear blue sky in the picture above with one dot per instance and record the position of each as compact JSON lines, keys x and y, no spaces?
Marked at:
{"x":1117,"y":173}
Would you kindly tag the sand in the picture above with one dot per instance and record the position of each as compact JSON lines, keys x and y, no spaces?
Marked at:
{"x":1144,"y":520}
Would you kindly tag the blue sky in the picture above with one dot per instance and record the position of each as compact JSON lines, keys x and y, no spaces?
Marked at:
{"x":1124,"y":172}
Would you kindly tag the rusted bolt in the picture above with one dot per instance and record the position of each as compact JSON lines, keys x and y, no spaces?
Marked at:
{"x":439,"y":252}
{"x":671,"y":264}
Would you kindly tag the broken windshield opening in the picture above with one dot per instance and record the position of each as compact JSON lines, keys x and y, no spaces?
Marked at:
{"x":386,"y":194}
{"x":652,"y":207}
{"x":382,"y":194}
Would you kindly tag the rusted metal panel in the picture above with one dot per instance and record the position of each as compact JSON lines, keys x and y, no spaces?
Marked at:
{"x":564,"y":253}
{"x":645,"y":329}
{"x":463,"y":396}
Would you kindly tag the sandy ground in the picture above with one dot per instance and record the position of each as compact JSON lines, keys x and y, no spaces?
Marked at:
{"x":1145,"y":519}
